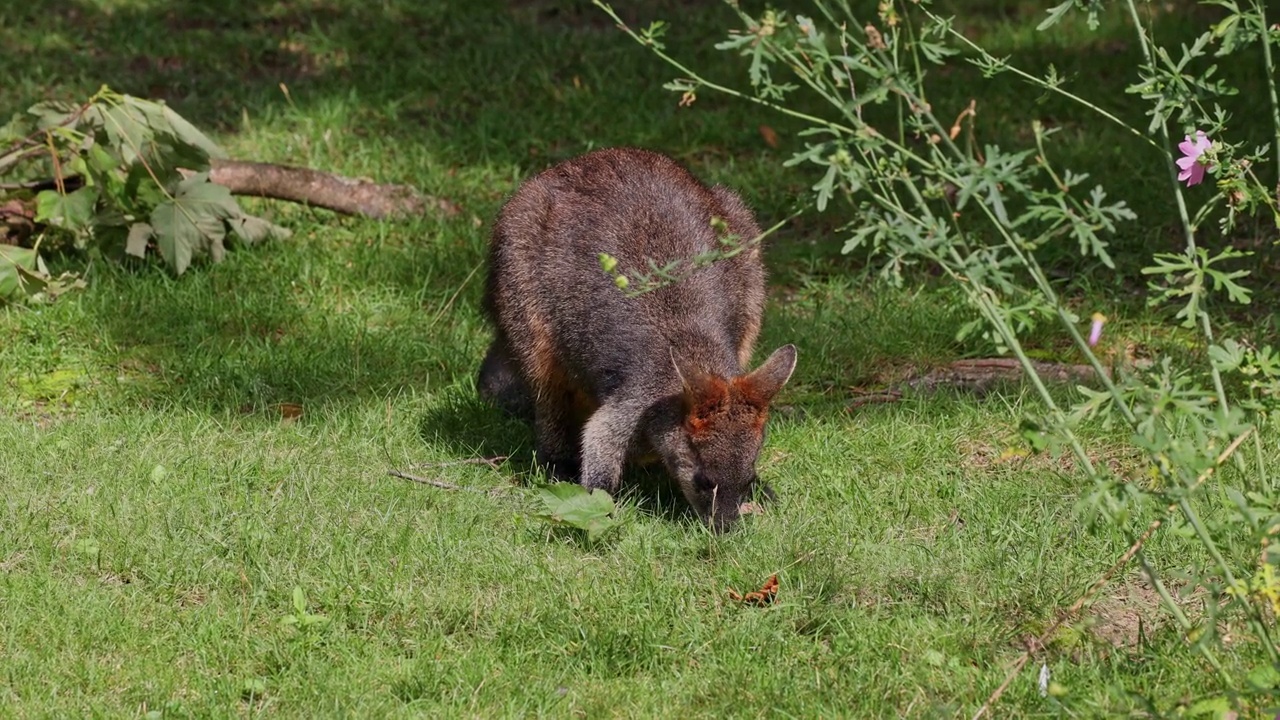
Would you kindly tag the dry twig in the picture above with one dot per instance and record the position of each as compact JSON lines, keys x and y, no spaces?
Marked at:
{"x":494,"y":462}
{"x":428,"y":481}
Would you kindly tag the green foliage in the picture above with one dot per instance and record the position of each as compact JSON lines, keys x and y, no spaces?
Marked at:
{"x":128,"y":174}
{"x":15,"y":265}
{"x":571,"y":505}
{"x":23,"y":273}
{"x":925,"y":191}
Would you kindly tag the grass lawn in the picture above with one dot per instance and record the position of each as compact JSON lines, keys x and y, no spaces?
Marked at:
{"x":181,"y":460}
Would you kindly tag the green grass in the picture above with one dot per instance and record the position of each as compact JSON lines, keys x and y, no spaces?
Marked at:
{"x":160,"y":509}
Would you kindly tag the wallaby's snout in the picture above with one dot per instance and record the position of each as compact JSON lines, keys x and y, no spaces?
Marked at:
{"x":606,"y":376}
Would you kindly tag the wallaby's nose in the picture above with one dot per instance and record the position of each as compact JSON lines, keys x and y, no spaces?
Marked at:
{"x":723,"y":522}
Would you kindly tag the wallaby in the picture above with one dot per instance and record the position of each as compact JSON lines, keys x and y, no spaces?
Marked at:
{"x":606,"y":377}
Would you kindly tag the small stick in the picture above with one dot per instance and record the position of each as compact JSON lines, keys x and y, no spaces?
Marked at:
{"x":1038,"y":643}
{"x":428,"y":481}
{"x":492,"y":462}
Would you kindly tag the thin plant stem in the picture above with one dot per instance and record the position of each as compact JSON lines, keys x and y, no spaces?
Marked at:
{"x":1011,"y":341}
{"x":1261,"y":8}
{"x":716,"y":86}
{"x":1145,"y":44}
{"x":1135,"y":547}
{"x":891,"y":185}
{"x":1262,"y":465}
{"x":1183,"y":214}
{"x":1154,"y":578}
{"x":1193,"y":518}
{"x":1040,"y":82}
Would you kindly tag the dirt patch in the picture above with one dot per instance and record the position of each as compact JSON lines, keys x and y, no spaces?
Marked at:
{"x":1123,"y":461}
{"x":192,"y":598}
{"x":13,"y":562}
{"x":1128,"y":612}
{"x":44,"y":414}
{"x":986,"y":456}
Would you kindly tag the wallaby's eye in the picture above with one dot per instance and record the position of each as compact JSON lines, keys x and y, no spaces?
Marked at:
{"x":702,"y":482}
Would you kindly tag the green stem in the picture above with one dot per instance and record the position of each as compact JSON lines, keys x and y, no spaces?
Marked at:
{"x":1181,"y":618}
{"x":1255,"y":621}
{"x":1262,"y":464}
{"x":1040,"y":82}
{"x":976,"y":293}
{"x":1042,"y":283}
{"x":1260,"y":8}
{"x":716,"y":86}
{"x":1218,"y":387}
{"x":1145,"y":43}
{"x":1187,"y":227}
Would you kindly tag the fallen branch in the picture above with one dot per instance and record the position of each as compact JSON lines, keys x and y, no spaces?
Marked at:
{"x":975,"y":375}
{"x":320,"y":189}
{"x":980,"y":374}
{"x":350,"y":196}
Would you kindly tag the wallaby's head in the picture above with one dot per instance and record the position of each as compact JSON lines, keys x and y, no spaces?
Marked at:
{"x":722,"y":432}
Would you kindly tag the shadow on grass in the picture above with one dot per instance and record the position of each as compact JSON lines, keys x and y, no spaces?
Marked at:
{"x":493,"y":86}
{"x":410,"y":69}
{"x":464,"y":425}
{"x":291,"y":323}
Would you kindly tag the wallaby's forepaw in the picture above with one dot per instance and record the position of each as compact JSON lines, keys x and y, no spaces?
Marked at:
{"x":560,"y":470}
{"x":600,"y":481}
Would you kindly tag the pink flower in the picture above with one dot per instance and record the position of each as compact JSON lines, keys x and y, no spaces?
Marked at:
{"x":1191,"y":163}
{"x":1095,"y":332}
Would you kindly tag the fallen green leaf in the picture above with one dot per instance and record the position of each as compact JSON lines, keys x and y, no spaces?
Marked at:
{"x":194,"y":221}
{"x":571,"y":505}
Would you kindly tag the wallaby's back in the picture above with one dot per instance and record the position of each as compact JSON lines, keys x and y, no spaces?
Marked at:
{"x":570,"y":322}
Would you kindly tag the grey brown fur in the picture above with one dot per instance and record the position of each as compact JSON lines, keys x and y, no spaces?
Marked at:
{"x":606,"y":378}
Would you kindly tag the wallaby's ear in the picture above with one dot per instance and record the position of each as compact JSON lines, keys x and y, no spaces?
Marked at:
{"x":765,"y":381}
{"x":700,"y":387}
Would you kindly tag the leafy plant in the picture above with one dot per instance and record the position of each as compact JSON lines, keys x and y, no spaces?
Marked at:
{"x":923,"y":190}
{"x":300,"y":617}
{"x":571,"y":505}
{"x":118,"y":175}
